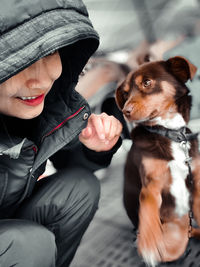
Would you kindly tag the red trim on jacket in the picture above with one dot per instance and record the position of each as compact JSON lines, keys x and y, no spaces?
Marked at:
{"x":35,"y":149}
{"x":68,"y":118}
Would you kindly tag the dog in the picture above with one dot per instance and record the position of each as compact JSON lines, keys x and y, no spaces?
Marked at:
{"x":162,"y":184}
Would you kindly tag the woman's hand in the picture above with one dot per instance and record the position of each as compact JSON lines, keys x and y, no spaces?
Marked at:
{"x":102,"y":132}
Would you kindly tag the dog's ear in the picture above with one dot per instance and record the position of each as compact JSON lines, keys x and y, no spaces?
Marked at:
{"x":181,"y":68}
{"x":119,"y":95}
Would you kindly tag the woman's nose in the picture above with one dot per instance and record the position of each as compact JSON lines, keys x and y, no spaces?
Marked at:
{"x":38,"y":75}
{"x":44,"y":72}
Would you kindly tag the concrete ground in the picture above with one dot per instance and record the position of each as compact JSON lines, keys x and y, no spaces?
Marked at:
{"x":110,"y":238}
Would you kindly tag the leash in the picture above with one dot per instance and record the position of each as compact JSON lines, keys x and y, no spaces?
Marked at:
{"x":182,"y":137}
{"x":188,"y":161}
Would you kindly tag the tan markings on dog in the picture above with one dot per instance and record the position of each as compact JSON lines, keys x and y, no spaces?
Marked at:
{"x":127,"y":82}
{"x":145,"y":106}
{"x":168,"y":88}
{"x":138,"y":80}
{"x":156,"y":176}
{"x":126,"y":87}
{"x":149,"y":106}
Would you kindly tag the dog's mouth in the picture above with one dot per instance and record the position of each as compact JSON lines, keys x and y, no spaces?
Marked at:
{"x":149,"y":118}
{"x":153,"y":115}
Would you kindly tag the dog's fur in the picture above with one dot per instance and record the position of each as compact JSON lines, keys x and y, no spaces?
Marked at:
{"x":156,"y":192}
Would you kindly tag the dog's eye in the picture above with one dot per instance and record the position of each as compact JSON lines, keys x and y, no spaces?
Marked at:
{"x":147,"y":83}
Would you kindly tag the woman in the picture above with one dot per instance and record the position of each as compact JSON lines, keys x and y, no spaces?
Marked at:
{"x":43,"y":47}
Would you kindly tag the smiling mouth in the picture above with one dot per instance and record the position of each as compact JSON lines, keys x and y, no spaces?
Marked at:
{"x":153,"y":114}
{"x":27,"y":97}
{"x":31,"y":100}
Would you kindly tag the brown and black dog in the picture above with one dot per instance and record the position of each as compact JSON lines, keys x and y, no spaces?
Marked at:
{"x":162,"y":187}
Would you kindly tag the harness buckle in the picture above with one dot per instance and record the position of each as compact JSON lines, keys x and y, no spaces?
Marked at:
{"x":188,"y":160}
{"x":185,"y":146}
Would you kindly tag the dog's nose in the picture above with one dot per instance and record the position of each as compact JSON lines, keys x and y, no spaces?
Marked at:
{"x":127,"y":110}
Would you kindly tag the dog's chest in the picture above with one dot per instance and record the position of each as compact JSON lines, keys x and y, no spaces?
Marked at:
{"x":179,"y":172}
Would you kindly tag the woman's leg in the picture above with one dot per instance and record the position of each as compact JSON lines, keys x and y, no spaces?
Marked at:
{"x":26,"y":244}
{"x":65,"y":203}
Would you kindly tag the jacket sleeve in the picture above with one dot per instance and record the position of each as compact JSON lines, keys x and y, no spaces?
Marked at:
{"x":76,"y":154}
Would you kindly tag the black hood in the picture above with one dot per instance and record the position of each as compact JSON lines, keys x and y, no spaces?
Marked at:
{"x":32,"y":29}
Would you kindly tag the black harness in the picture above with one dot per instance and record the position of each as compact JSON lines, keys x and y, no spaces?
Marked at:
{"x":180,"y":136}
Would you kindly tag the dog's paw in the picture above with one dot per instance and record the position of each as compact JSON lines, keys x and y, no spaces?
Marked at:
{"x":150,"y":258}
{"x":151,"y":247}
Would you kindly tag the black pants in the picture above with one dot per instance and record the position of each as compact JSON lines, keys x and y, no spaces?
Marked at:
{"x":50,"y":224}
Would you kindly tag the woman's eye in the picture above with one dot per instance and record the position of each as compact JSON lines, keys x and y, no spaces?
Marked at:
{"x":147,"y":83}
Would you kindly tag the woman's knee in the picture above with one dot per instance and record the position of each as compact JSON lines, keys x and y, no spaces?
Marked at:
{"x":76,"y":185}
{"x":26,"y":243}
{"x":89,"y":186}
{"x":78,"y":193}
{"x":64,"y":194}
{"x":82,"y":188}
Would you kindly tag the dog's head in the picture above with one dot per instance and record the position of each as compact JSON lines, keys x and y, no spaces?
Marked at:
{"x":153,"y":89}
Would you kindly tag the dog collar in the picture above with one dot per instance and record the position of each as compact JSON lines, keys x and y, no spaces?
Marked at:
{"x":179,"y":135}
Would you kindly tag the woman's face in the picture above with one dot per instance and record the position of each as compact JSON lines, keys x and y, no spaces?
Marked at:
{"x":23,"y":95}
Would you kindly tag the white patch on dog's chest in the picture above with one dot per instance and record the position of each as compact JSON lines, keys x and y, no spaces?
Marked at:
{"x":179,"y":172}
{"x":172,"y":123}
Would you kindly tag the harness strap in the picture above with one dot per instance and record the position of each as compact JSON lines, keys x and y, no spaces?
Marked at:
{"x":175,"y":135}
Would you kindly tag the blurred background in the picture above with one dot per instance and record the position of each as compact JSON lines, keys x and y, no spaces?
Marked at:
{"x":123,"y":24}
{"x":165,"y":27}
{"x":132,"y":32}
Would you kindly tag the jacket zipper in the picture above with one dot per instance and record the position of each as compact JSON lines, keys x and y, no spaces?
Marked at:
{"x":62,"y":123}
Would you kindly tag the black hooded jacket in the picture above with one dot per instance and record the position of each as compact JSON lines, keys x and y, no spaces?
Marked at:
{"x":29,"y":31}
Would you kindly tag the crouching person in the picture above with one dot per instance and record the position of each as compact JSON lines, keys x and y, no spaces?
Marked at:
{"x":43,"y":49}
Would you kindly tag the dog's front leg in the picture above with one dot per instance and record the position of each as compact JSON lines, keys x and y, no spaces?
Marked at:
{"x":154,"y":175}
{"x":150,"y":239}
